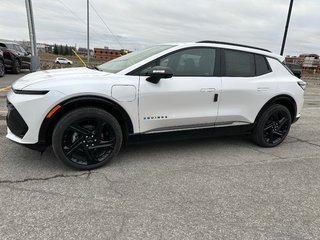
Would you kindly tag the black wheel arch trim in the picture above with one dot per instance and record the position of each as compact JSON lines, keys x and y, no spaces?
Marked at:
{"x":68,"y":105}
{"x":284,"y":100}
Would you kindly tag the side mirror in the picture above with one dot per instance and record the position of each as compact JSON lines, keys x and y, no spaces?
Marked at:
{"x":158,"y":72}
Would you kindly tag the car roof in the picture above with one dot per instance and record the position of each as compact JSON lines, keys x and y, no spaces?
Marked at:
{"x":232,"y":46}
{"x":10,"y":43}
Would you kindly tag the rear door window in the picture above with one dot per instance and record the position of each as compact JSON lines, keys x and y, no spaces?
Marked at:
{"x":238,"y":64}
{"x":262,"y":66}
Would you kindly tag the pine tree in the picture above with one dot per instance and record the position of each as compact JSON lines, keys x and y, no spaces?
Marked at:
{"x":65,"y":50}
{"x":60,"y":51}
{"x":55,"y":49}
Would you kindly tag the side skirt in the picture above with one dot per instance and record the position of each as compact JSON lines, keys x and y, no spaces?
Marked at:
{"x":190,"y":134}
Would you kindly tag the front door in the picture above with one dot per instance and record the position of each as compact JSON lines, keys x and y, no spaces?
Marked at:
{"x":187,"y":100}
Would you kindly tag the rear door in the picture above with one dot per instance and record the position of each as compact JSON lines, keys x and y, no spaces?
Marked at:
{"x":247,"y":84}
{"x":188,"y":99}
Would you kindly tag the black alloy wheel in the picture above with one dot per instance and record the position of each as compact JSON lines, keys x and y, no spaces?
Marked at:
{"x":273,"y":126}
{"x":87,"y":138}
{"x":2,"y":69}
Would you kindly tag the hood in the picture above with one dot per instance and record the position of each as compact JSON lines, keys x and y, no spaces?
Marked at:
{"x":50,"y":76}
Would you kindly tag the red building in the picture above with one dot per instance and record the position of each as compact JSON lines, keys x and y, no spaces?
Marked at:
{"x":108,"y":54}
{"x":306,"y":61}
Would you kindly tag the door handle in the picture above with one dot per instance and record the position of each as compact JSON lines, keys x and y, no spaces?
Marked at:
{"x":203,"y":90}
{"x":263,"y":89}
{"x":215,"y":99}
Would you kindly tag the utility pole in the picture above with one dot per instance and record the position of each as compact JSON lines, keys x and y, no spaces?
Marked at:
{"x":35,"y":62}
{"x":286,"y":28}
{"x":88,"y":45}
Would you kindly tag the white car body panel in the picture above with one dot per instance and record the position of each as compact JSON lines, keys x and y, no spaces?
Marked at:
{"x":237,"y":94}
{"x":178,"y":101}
{"x":34,"y":109}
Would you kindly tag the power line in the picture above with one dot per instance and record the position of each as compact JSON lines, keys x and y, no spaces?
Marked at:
{"x":115,"y":37}
{"x":80,"y":19}
{"x":72,"y":12}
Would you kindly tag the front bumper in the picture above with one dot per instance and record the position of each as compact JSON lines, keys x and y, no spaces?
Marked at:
{"x":39,"y":146}
{"x":26,"y":114}
{"x":15,"y":122}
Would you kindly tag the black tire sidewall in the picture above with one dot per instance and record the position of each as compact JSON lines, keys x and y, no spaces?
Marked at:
{"x":3,"y":68}
{"x":16,"y":66}
{"x":258,"y":132}
{"x":75,"y":115}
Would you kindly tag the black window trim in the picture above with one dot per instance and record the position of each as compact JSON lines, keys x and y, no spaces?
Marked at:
{"x":267,"y":62}
{"x":223,"y":65}
{"x":217,"y":67}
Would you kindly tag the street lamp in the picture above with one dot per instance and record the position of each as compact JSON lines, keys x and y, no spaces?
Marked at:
{"x":35,"y":62}
{"x":88,"y":45}
{"x":286,"y":28}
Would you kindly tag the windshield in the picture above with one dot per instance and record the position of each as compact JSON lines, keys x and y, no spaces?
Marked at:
{"x":118,"y":64}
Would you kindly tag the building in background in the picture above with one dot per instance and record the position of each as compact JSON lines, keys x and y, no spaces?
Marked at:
{"x":108,"y":54}
{"x":83,"y":51}
{"x":306,"y":61}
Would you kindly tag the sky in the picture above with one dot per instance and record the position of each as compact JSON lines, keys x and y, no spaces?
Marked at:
{"x":136,"y":24}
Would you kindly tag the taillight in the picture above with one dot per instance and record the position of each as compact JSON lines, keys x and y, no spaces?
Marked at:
{"x":302,"y":84}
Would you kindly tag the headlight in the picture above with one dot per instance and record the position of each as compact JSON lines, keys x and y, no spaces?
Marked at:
{"x":30,"y":92}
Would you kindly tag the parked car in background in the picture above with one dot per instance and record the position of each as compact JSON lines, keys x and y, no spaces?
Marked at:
{"x":2,"y":69}
{"x":15,"y":57}
{"x":295,"y":69}
{"x":61,"y":60}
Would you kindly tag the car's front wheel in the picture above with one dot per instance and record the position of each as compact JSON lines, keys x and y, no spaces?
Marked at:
{"x":273,"y":126}
{"x":87,"y":138}
{"x":2,"y":69}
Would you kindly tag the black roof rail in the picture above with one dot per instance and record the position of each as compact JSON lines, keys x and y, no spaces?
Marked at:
{"x":234,"y":44}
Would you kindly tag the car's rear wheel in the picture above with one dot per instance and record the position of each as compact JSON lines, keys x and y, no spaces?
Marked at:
{"x":273,"y":126}
{"x":16,"y":68}
{"x":87,"y":138}
{"x":2,"y":69}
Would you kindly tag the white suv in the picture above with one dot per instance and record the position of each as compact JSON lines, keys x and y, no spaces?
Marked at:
{"x":61,"y":60}
{"x":166,"y":91}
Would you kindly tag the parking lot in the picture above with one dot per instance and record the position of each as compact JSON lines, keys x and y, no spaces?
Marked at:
{"x":219,"y":188}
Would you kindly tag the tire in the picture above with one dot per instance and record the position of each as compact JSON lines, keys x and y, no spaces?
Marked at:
{"x":16,"y":68}
{"x":86,"y":138}
{"x":273,"y":126}
{"x":2,"y":69}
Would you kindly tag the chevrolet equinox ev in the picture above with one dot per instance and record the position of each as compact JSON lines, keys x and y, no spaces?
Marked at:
{"x":168,"y":91}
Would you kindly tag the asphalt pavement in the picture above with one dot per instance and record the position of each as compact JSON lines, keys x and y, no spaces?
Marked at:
{"x":219,"y":188}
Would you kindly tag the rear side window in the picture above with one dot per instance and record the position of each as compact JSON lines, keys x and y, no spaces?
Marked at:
{"x":239,"y":64}
{"x":262,"y":67}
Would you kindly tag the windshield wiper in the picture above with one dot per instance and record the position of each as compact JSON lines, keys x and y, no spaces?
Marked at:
{"x":94,"y":67}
